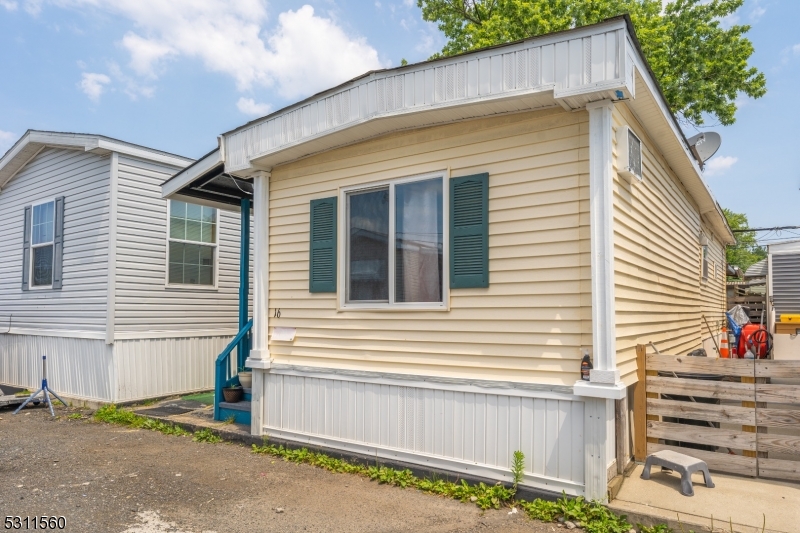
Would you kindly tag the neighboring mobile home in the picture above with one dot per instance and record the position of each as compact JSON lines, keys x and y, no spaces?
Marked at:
{"x":441,"y":243}
{"x":91,"y":277}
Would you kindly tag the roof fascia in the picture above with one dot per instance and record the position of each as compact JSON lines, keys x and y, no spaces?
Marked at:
{"x":186,"y":176}
{"x":77,"y":141}
{"x":548,"y":38}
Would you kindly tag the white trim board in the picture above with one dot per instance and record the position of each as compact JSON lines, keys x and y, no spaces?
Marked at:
{"x":526,"y":390}
{"x":422,"y":459}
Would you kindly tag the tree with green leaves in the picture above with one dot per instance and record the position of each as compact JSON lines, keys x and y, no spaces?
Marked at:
{"x":746,"y":251}
{"x":701,"y":66}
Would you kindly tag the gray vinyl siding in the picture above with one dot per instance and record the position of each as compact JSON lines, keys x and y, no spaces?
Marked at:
{"x":80,"y":305}
{"x":143,"y":302}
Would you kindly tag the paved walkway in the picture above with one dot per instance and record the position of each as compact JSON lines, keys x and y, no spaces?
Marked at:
{"x":744,"y":501}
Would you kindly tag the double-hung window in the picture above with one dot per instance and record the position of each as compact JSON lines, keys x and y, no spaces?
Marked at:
{"x":394,"y":235}
{"x":192,"y":244}
{"x":42,"y":244}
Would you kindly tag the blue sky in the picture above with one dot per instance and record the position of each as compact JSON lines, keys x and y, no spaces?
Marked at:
{"x":173,"y":75}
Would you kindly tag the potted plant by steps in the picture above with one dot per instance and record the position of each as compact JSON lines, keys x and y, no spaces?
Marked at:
{"x":245,"y":378}
{"x":233,"y":394}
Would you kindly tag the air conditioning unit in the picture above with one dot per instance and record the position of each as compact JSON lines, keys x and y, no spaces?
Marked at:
{"x":629,"y":154}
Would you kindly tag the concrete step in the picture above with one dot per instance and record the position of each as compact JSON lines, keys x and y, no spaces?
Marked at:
{"x":238,"y":406}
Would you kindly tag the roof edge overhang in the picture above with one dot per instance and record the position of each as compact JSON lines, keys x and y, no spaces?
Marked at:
{"x":34,"y":141}
{"x":199,"y":184}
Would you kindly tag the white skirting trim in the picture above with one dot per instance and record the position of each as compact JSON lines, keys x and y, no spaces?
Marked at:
{"x":431,"y":461}
{"x":455,"y":426}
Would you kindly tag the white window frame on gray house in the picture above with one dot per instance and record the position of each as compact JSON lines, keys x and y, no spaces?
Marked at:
{"x":344,"y":245}
{"x":42,"y":244}
{"x":214,"y":245}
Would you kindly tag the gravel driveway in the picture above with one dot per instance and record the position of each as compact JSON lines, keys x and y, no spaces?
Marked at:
{"x":105,"y":478}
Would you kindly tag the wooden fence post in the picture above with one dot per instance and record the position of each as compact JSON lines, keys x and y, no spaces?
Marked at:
{"x":640,"y":406}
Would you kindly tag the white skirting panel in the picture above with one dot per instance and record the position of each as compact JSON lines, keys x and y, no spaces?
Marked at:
{"x":472,"y":432}
{"x":78,"y":368}
{"x":147,"y":368}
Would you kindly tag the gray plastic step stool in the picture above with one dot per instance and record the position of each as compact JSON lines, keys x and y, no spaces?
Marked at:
{"x":680,"y":463}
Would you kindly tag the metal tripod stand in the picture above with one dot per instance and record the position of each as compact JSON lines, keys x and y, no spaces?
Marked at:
{"x":45,"y":390}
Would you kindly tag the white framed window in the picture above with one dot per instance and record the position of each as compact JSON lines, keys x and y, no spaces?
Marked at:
{"x":192,"y":247}
{"x":395,"y":244}
{"x":43,"y":216}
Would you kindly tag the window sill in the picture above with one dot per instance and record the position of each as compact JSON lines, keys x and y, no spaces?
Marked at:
{"x":185,"y":288}
{"x":392,"y":308}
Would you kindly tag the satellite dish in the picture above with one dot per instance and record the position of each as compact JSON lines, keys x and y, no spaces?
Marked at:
{"x":704,"y":145}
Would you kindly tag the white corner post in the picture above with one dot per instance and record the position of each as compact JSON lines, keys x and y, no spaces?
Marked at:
{"x":259,"y":360}
{"x":604,"y":385}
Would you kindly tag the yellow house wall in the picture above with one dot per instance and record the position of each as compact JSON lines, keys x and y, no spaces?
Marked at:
{"x":660,"y":296}
{"x":532,"y":321}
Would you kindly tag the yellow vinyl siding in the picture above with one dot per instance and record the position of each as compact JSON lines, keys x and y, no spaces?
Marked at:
{"x":659,"y":294}
{"x":529,"y":325}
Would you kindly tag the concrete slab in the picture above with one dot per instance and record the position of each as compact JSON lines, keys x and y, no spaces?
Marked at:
{"x":744,"y":501}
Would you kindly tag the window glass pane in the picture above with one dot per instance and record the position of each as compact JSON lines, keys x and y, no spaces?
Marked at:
{"x":42,"y":226}
{"x":43,"y":266}
{"x":193,"y":230}
{"x":191,"y":274}
{"x":418,"y":241}
{"x":176,"y":273}
{"x":177,"y":209}
{"x":193,"y":212}
{"x":206,"y":275}
{"x":368,"y":246}
{"x":191,"y":264}
{"x":207,"y":232}
{"x":177,"y":228}
{"x":209,"y":214}
{"x":206,"y":256}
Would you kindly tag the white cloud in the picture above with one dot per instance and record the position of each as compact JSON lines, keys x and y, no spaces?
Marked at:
{"x":131,"y":87}
{"x":33,"y":7}
{"x":94,"y":84}
{"x":757,"y":11}
{"x":719,"y":165}
{"x":10,"y":5}
{"x":409,"y":3}
{"x":796,"y":49}
{"x":248,"y":106}
{"x":310,"y":53}
{"x":145,"y":53}
{"x":6,"y":140}
{"x":302,"y":54}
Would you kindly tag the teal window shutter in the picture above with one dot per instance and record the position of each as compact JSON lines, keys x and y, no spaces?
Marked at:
{"x":58,"y":244}
{"x":469,"y":231}
{"x":26,"y":249}
{"x":322,"y":248}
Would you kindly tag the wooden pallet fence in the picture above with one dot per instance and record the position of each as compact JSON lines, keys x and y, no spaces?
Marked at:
{"x":746,"y":420}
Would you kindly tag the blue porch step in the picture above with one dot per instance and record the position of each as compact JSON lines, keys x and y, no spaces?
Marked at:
{"x":240,"y":411}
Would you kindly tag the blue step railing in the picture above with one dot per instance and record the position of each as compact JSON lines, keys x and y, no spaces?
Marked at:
{"x":223,"y":369}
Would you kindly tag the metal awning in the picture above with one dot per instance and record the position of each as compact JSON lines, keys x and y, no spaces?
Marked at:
{"x":206,"y":182}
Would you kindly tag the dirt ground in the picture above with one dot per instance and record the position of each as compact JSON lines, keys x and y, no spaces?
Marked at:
{"x":105,"y":478}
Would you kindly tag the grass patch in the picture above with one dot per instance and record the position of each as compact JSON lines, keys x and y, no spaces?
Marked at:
{"x":126,"y":417}
{"x":206,"y":398}
{"x":592,"y":516}
{"x":206,"y":435}
{"x":75,"y":416}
